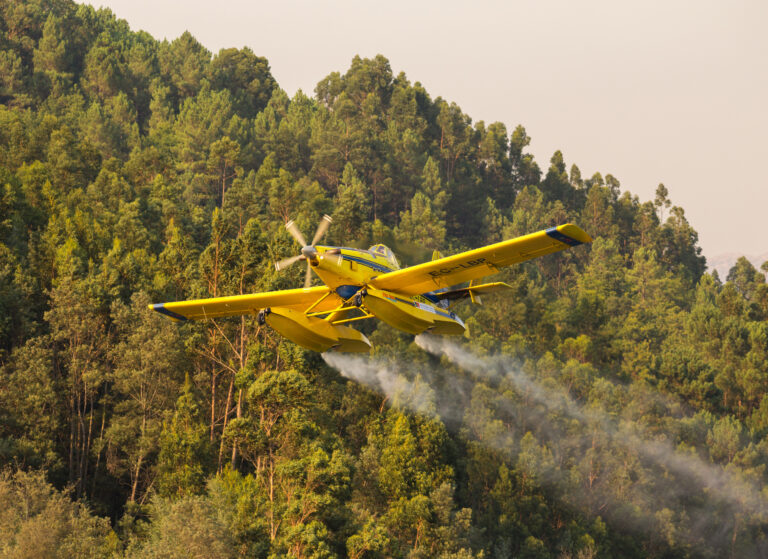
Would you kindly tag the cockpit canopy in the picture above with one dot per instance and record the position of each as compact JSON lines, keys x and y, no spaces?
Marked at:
{"x":382,"y":250}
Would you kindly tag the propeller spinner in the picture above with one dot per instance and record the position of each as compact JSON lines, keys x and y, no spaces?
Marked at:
{"x":308,"y":251}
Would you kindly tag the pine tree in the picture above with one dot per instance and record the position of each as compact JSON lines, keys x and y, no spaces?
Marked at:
{"x":185,"y":452}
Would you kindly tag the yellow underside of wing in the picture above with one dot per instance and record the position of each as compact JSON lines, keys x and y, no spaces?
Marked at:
{"x":480,"y":262}
{"x":296,"y":299}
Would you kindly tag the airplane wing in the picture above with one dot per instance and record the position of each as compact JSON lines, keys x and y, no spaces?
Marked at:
{"x":298,"y":299}
{"x":480,"y":262}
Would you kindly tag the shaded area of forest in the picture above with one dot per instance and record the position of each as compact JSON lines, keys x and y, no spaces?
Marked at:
{"x":137,"y":171}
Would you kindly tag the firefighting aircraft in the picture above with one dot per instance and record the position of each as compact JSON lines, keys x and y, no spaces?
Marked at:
{"x":361,"y":284}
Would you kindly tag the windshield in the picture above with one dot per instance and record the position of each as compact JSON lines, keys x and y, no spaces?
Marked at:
{"x":381,"y":250}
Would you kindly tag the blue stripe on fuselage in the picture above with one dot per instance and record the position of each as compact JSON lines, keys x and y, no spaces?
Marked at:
{"x":328,"y":247}
{"x":374,"y":265}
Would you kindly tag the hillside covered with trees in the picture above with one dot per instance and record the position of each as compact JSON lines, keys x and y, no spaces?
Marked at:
{"x":630,"y":419}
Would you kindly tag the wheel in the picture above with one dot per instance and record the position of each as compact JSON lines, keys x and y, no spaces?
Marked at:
{"x":358,"y":299}
{"x":261,"y":318}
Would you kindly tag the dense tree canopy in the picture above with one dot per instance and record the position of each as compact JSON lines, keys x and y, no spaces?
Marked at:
{"x":133,"y":170}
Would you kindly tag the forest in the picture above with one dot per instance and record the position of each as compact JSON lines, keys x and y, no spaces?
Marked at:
{"x":611,"y":406}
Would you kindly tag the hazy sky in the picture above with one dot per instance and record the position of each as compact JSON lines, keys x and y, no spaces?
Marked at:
{"x":672,"y":91}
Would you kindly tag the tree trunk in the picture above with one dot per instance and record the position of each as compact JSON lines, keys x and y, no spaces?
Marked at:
{"x":272,"y":524}
{"x":101,"y":438}
{"x":136,"y":474}
{"x":226,"y":418}
{"x":238,"y":414}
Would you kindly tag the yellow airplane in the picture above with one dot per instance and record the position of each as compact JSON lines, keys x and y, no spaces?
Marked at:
{"x":362,"y":284}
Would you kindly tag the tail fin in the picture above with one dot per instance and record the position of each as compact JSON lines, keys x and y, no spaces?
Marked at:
{"x":436,"y":255}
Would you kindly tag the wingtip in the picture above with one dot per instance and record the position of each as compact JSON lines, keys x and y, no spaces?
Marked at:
{"x":575,"y":232}
{"x":160,"y":307}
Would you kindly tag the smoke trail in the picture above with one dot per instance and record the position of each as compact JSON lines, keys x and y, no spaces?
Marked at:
{"x":704,"y":489}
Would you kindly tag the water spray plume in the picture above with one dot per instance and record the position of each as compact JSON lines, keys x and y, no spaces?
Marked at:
{"x":414,"y":395}
{"x":706,"y":504}
{"x":708,"y":484}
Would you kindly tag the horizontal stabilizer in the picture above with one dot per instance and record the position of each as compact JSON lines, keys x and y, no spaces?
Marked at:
{"x":473,"y":291}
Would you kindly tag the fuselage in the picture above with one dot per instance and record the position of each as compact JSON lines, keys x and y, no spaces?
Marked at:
{"x":348,"y":271}
{"x":339,"y":266}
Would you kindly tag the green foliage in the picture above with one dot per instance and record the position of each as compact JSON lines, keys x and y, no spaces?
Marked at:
{"x":147,"y":363}
{"x":351,"y":210}
{"x":189,"y":527}
{"x":247,"y":78}
{"x":39,"y":521}
{"x":184,"y":448}
{"x":420,"y":225}
{"x":135,"y":171}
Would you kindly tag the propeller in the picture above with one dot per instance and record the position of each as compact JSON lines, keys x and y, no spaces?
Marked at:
{"x":308,"y":251}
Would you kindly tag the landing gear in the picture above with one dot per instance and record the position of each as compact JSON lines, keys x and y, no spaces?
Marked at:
{"x":358,"y":300}
{"x":261,"y":318}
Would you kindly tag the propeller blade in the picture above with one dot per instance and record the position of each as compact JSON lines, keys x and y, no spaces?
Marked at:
{"x":285,"y":262}
{"x":325,"y":223}
{"x":295,"y":233}
{"x":308,"y":277}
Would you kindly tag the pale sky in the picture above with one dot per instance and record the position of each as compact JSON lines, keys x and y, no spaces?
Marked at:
{"x":671,"y":91}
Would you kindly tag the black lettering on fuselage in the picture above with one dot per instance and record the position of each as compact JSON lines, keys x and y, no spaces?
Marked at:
{"x":461,"y":266}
